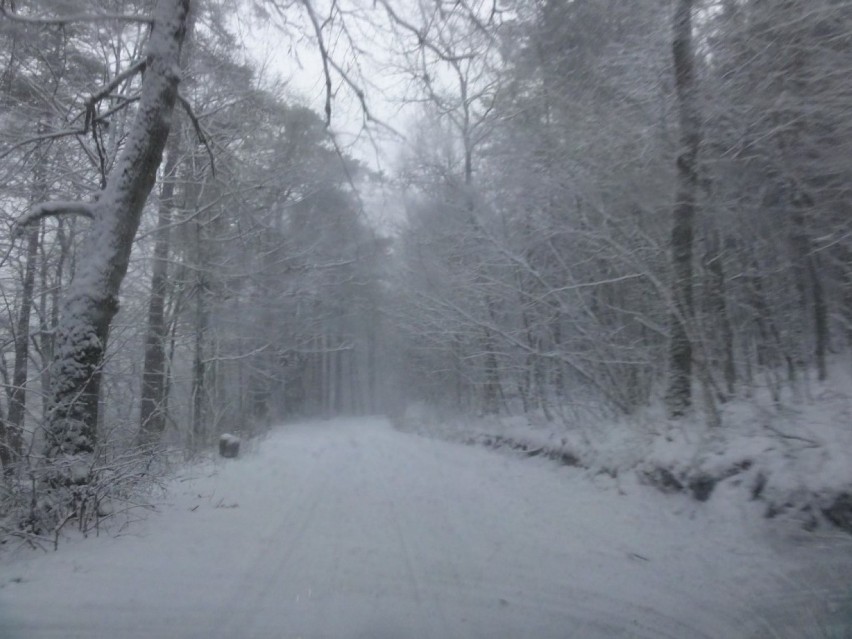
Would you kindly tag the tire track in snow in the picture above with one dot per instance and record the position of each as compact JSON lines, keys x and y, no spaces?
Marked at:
{"x":592,"y":609}
{"x":413,"y":563}
{"x":452,"y":587}
{"x":243,"y":606}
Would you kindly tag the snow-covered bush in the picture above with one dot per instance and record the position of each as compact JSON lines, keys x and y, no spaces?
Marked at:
{"x":40,"y":501}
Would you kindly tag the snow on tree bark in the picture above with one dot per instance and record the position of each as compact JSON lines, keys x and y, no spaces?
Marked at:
{"x":92,"y":298}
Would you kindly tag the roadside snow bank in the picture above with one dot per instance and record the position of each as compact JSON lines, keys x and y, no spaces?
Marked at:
{"x":794,"y":461}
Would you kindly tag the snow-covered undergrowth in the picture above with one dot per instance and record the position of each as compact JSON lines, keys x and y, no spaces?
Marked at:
{"x":793,"y":459}
{"x":36,"y":510}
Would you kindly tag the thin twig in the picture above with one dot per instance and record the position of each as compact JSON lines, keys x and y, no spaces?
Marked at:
{"x":324,"y":55}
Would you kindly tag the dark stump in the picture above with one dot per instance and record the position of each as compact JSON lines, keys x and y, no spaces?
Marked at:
{"x":229,"y":445}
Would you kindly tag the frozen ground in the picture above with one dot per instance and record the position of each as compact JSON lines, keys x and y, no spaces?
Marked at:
{"x":350,"y":529}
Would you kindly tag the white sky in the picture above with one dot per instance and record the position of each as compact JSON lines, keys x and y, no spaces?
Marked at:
{"x":376,"y":61}
{"x":293,"y":56}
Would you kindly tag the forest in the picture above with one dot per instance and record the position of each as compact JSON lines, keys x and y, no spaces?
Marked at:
{"x":571,"y":211}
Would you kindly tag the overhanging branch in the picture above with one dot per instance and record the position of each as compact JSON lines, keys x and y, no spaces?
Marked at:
{"x":53,"y":209}
{"x":82,"y":17}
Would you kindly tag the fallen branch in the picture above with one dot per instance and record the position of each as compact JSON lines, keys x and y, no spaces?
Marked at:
{"x":812,"y":443}
{"x":31,"y":539}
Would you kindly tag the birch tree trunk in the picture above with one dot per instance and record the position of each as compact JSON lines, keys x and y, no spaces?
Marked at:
{"x":679,"y":393}
{"x":92,"y":298}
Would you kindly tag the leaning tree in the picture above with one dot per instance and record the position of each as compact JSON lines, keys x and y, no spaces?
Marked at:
{"x":91,"y":301}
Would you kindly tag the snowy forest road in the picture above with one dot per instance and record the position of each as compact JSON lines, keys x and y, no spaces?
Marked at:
{"x":352,"y":530}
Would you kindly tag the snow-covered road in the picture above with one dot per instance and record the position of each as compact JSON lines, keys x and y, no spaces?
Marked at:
{"x":350,"y":529}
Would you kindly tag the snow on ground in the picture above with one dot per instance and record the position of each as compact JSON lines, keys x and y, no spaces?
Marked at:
{"x":794,"y":457}
{"x":350,"y":529}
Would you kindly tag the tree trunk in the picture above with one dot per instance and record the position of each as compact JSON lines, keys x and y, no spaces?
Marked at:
{"x":152,"y":418}
{"x":768,"y":333}
{"x":18,"y":397}
{"x":491,"y":386}
{"x":810,"y":284}
{"x":50,"y":320}
{"x":92,"y":299}
{"x":820,"y":319}
{"x":679,"y":393}
{"x":717,"y":302}
{"x":338,"y":360}
{"x":199,"y":367}
{"x":373,"y":328}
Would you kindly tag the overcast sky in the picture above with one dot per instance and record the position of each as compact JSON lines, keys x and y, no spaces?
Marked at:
{"x":291,"y":53}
